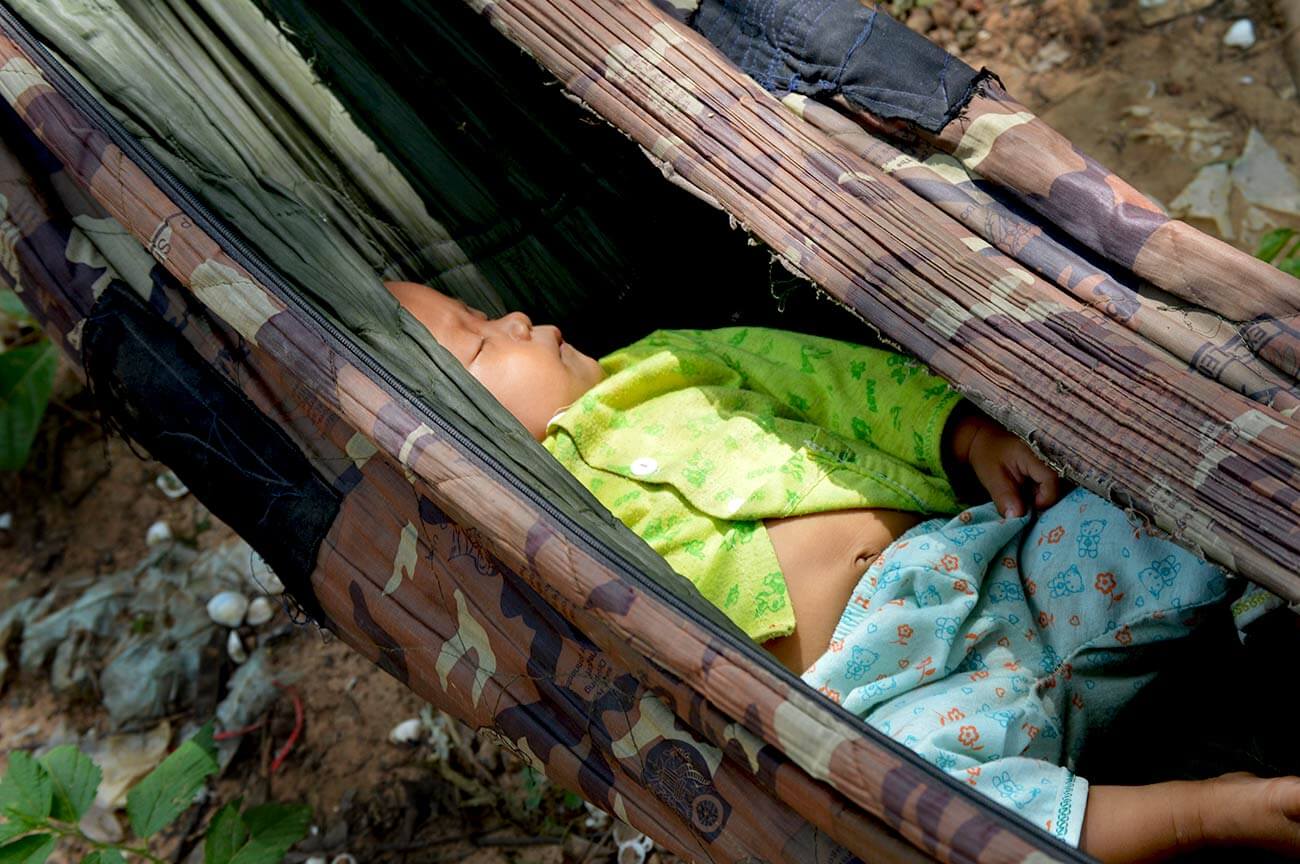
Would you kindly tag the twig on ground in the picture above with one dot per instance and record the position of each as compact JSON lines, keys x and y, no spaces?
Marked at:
{"x":284,"y":751}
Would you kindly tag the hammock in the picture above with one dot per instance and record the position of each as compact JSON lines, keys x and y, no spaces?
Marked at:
{"x":199,"y":197}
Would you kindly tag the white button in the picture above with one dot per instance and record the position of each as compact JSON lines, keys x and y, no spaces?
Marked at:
{"x":644,"y":466}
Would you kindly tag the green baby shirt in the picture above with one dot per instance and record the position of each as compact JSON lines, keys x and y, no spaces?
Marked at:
{"x":697,"y":436}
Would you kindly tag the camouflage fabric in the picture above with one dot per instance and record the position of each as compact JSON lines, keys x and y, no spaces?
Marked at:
{"x":463,"y":581}
{"x":1002,"y":141}
{"x":1204,"y":341}
{"x":454,"y":580}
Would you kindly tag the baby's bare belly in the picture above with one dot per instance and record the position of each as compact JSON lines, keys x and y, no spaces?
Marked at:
{"x":822,"y":557}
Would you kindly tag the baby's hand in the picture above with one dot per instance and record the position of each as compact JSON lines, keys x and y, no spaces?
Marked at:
{"x":1003,"y":464}
{"x":1241,"y":809}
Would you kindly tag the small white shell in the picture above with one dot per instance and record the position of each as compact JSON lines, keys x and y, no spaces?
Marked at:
{"x":259,"y":612}
{"x":1240,"y":35}
{"x":235,"y":647}
{"x":228,"y":608}
{"x":158,"y":533}
{"x":407,"y":732}
{"x":315,"y":859}
{"x":171,"y":485}
{"x":343,"y":858}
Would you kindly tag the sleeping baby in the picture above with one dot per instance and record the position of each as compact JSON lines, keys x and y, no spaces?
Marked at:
{"x":806,"y":487}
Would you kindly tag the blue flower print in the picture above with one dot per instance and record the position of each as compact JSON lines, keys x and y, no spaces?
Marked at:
{"x":945,"y":761}
{"x":1090,"y":537}
{"x":1066,"y":582}
{"x":974,"y":662}
{"x":963,"y":535}
{"x":860,"y":660}
{"x":1050,"y":660}
{"x":890,"y":575}
{"x":876,"y":688}
{"x":1003,"y":718}
{"x":1160,"y":575}
{"x":1002,"y":591}
{"x":945,"y":629}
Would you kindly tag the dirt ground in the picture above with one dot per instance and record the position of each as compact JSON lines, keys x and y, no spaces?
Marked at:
{"x":1154,"y":102}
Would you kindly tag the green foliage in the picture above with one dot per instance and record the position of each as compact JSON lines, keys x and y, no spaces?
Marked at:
{"x":272,"y":829}
{"x":107,"y":855}
{"x":75,"y":779}
{"x":32,"y":849}
{"x":26,"y":792}
{"x":12,"y":308}
{"x":43,"y":800}
{"x":169,"y":790}
{"x":26,"y":380}
{"x":1271,"y":246}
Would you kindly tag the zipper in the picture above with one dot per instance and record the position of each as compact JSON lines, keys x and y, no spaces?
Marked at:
{"x":71,"y":89}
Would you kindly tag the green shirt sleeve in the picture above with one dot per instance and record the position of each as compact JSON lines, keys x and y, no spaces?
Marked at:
{"x":886,"y":400}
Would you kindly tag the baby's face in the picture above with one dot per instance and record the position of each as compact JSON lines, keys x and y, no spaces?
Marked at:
{"x":530,"y":369}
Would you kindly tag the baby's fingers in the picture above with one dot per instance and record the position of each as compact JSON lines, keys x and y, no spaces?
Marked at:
{"x":1002,"y":488}
{"x":1046,"y":481}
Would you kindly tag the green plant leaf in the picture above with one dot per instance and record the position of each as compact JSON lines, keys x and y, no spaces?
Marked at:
{"x":225,"y":835}
{"x":272,"y":829}
{"x":1272,"y":242}
{"x":107,"y":855}
{"x":168,"y":790}
{"x":1290,"y":265}
{"x":12,"y":828}
{"x":75,"y":779}
{"x":26,"y":379}
{"x":11,"y":307}
{"x":25,"y":792}
{"x":32,"y":849}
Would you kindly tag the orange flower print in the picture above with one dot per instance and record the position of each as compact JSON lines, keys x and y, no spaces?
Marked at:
{"x":1031,"y":587}
{"x":833,"y":695}
{"x":905,"y":632}
{"x":1009,"y":563}
{"x":1045,"y":620}
{"x":1031,"y":730}
{"x":1106,"y":582}
{"x":1123,"y":635}
{"x":836,"y":646}
{"x":1054,"y":536}
{"x":949,"y":562}
{"x":973,"y":774}
{"x":969,"y":737}
{"x":962,"y":586}
{"x":964,"y":517}
{"x":1077,"y":701}
{"x":979,"y":674}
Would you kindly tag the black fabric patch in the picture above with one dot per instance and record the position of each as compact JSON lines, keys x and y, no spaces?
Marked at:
{"x":157,"y":389}
{"x":821,"y":48}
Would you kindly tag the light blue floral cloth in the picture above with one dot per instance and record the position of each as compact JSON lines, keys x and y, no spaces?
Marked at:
{"x":991,"y":646}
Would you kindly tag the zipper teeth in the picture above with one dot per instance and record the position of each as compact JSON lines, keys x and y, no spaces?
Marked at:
{"x":70,"y":88}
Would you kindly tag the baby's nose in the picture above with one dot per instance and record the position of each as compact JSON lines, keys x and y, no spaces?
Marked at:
{"x":517,"y":324}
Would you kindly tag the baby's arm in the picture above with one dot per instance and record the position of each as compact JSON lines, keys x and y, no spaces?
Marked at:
{"x":1002,"y":463}
{"x":1152,"y":823}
